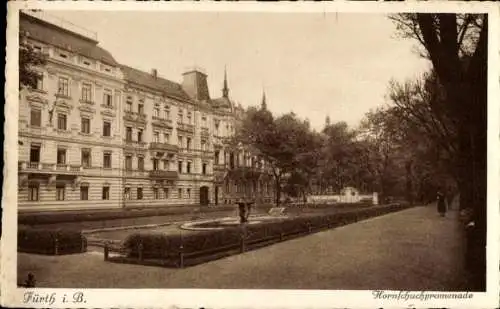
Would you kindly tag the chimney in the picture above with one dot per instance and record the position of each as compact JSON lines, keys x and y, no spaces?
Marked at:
{"x":195,"y":84}
{"x":154,"y":72}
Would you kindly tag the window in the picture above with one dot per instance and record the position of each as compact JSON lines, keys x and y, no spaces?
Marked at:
{"x":128,"y":134}
{"x":86,"y":158}
{"x":216,"y":157}
{"x":105,"y":193}
{"x":61,"y":121}
{"x":84,"y":192}
{"x":85,"y":125}
{"x":156,"y":137}
{"x":180,"y":167}
{"x":166,"y":112}
{"x":33,"y":193}
{"x":139,"y":193}
{"x":128,"y":162}
{"x":156,"y":111}
{"x":165,"y":164}
{"x":204,"y":169}
{"x":189,"y":118}
{"x":180,"y":116}
{"x":156,"y":164}
{"x":188,"y":143}
{"x":106,"y":128}
{"x":217,"y":123}
{"x":188,"y":191}
{"x":140,"y":108}
{"x":36,"y":117}
{"x":63,"y":86}
{"x":203,"y":146}
{"x":165,"y":193}
{"x":140,"y":163}
{"x":60,"y":190}
{"x":61,"y":156}
{"x":39,"y":82}
{"x":179,"y":193}
{"x":86,"y":92}
{"x":139,"y":135}
{"x":106,"y":160}
{"x":128,"y":106}
{"x":156,"y":193}
{"x":35,"y":153}
{"x":126,"y":194}
{"x":179,"y":141}
{"x":188,"y":167}
{"x":204,"y":121}
{"x":108,"y":98}
{"x":166,"y":138}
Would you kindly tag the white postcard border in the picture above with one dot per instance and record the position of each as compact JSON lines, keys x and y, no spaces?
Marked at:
{"x":193,"y":298}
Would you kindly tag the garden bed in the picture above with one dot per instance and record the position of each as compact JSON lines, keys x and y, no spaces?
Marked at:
{"x":180,"y":250}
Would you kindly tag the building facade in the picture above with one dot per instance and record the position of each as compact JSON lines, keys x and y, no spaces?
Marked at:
{"x":99,"y":134}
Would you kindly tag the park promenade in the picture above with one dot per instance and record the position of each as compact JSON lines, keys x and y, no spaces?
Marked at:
{"x":413,"y":249}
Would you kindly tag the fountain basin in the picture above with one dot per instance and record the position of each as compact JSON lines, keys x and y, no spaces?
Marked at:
{"x":227,"y":222}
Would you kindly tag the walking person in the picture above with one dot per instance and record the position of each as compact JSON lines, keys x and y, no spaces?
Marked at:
{"x":441,"y":203}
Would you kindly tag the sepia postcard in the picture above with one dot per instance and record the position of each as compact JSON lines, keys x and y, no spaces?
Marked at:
{"x":251,"y":155}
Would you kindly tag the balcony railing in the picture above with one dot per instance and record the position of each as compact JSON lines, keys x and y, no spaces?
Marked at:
{"x":162,"y":122}
{"x":204,"y":132}
{"x":185,"y":127}
{"x":133,"y":116}
{"x":49,"y":167}
{"x":163,"y":147}
{"x":163,"y":174}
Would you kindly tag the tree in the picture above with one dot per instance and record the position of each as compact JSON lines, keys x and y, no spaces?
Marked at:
{"x":29,"y":60}
{"x":283,"y":142}
{"x":456,"y":45}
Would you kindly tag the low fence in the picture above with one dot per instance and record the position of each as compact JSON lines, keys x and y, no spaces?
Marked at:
{"x":180,"y":253}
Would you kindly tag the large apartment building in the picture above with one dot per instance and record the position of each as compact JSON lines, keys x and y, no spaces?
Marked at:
{"x":99,"y":134}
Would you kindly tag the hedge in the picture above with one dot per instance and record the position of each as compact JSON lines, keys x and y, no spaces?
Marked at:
{"x":50,"y":242}
{"x":146,"y":245}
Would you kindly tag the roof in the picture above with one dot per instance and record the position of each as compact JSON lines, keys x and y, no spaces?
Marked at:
{"x":157,"y":83}
{"x":222,"y":102}
{"x":51,"y":34}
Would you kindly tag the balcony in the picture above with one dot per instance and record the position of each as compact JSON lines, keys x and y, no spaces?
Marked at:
{"x":163,"y":147}
{"x":159,"y":174}
{"x":219,"y":167}
{"x":49,"y":168}
{"x":134,"y":117}
{"x":162,"y":122}
{"x":134,"y":144}
{"x":204,"y":132}
{"x":189,"y":128}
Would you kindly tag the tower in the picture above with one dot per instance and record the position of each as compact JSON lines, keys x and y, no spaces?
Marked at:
{"x":225,"y":88}
{"x":263,"y":105}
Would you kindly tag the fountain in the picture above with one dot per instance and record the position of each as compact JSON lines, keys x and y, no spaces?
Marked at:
{"x":242,"y":218}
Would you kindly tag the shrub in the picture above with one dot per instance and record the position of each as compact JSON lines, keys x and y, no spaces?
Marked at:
{"x":51,"y":242}
{"x":164,"y":246}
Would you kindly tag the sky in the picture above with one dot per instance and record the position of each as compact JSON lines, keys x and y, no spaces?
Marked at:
{"x":314,"y":64}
